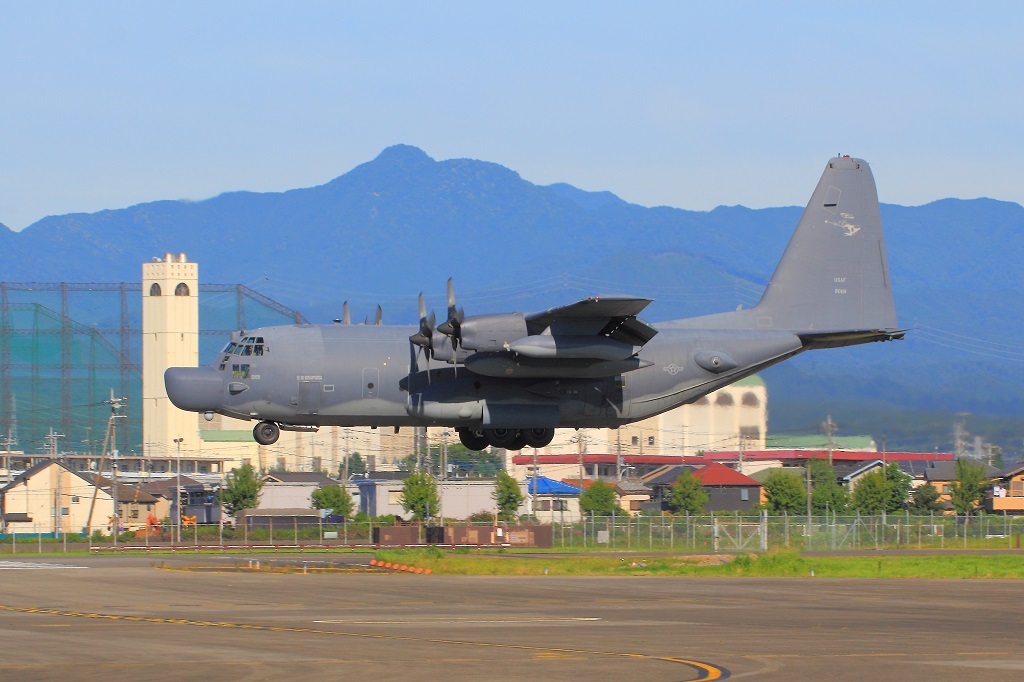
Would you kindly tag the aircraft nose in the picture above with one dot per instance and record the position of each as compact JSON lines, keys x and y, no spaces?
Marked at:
{"x":197,"y":389}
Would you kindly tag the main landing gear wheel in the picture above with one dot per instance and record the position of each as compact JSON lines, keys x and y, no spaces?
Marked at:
{"x":538,"y":438}
{"x":266,"y":433}
{"x":509,"y":439}
{"x":473,"y":439}
{"x":501,"y":438}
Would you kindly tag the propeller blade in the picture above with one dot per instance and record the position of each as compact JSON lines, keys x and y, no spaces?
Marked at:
{"x":380,"y":316}
{"x":346,"y":316}
{"x":452,"y":326}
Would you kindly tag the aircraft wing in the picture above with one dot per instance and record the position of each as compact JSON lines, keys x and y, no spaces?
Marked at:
{"x":612,"y":316}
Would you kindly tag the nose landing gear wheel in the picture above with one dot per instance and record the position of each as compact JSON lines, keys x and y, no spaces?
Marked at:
{"x":266,"y":433}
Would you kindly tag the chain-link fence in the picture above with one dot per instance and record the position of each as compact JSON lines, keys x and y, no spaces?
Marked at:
{"x":722,"y":532}
{"x":828,"y":532}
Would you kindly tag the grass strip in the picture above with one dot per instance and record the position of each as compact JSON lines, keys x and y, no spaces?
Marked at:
{"x":771,"y":564}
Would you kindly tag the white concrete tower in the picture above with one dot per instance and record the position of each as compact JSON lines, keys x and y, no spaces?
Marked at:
{"x":170,"y":338}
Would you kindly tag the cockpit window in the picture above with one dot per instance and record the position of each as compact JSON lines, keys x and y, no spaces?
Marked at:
{"x":250,"y":345}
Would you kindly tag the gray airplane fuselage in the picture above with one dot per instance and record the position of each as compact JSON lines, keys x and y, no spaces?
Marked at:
{"x":358,"y":375}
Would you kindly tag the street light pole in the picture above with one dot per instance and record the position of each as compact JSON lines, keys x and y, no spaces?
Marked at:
{"x":177,"y":494}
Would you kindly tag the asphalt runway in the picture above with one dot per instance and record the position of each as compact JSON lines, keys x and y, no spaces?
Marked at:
{"x":121,"y":618}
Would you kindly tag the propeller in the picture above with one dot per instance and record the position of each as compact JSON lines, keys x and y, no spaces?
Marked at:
{"x":452,"y":327}
{"x":424,"y":337}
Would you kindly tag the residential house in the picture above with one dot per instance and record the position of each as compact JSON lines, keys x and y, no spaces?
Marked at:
{"x":459,"y":498}
{"x":198,"y":499}
{"x":727,"y":489}
{"x":942,"y":475}
{"x":1007,"y":494}
{"x":52,"y":499}
{"x":632,"y":494}
{"x":549,"y":501}
{"x":294,"y":489}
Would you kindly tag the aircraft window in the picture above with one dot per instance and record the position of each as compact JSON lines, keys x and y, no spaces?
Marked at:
{"x":222,"y":365}
{"x":230,"y":347}
{"x":239,"y":371}
{"x":257,"y":349}
{"x":247,"y":350}
{"x":259,"y":339}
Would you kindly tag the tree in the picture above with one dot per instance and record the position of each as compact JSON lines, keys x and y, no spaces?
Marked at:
{"x":333,"y":498}
{"x":507,"y":496}
{"x":925,"y":499}
{"x":785,"y":492}
{"x":966,"y":489}
{"x":598,"y":499}
{"x":356,"y":465}
{"x":900,"y":485}
{"x":687,"y":494}
{"x":242,"y":490}
{"x":470,"y":462}
{"x":873,"y":493}
{"x":826,"y":493}
{"x":419,"y":496}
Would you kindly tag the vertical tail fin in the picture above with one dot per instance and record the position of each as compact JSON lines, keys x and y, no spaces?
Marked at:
{"x":833,"y":276}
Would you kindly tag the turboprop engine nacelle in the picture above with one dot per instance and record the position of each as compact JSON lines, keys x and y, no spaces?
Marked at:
{"x":488,"y":333}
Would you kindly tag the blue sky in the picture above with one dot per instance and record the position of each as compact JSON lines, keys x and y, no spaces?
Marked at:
{"x":693,"y":105}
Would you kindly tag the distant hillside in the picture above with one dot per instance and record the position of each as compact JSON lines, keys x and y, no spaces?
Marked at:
{"x":403,"y":223}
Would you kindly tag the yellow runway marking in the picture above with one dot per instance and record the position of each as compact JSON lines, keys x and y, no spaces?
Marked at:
{"x":422,"y":621}
{"x":705,"y":671}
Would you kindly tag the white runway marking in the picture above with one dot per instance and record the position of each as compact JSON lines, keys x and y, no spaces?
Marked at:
{"x":6,"y":565}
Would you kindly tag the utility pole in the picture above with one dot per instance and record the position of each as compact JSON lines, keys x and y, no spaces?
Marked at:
{"x":809,"y":456}
{"x":885,"y":473}
{"x":444,"y":475}
{"x":109,"y":440}
{"x":58,"y":507}
{"x":177,"y":494}
{"x":536,"y":468}
{"x":618,"y":453}
{"x":829,"y":427}
{"x":348,"y":454}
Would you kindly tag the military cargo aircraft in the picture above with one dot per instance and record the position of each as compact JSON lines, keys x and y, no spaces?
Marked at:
{"x":509,"y":380}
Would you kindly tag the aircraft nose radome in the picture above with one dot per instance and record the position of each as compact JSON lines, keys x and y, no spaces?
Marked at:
{"x":197,"y":389}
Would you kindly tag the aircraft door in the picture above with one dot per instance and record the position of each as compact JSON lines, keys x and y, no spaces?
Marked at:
{"x":593,"y":404}
{"x":371,"y":383}
{"x":309,"y":397}
{"x":605,"y":397}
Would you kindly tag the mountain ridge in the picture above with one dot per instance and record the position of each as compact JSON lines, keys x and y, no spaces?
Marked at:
{"x":404,"y":222}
